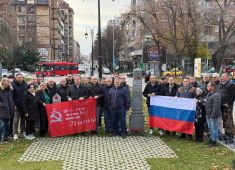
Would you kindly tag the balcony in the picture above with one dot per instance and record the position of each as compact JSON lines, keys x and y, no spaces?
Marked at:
{"x":41,"y":2}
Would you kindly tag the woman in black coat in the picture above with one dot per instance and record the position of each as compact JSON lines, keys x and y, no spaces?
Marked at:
{"x":30,"y":108}
{"x":43,"y":100}
{"x":200,"y":115}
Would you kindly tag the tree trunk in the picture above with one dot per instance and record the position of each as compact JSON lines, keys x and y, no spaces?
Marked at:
{"x":217,"y":58}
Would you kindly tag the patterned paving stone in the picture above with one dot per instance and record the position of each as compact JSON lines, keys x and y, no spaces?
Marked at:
{"x":102,"y":153}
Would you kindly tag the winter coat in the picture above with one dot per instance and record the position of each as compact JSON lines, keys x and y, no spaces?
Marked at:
{"x":186,"y":93}
{"x":30,"y":106}
{"x":63,"y":91}
{"x":173,"y":91}
{"x":6,"y":102}
{"x":203,"y":86}
{"x":200,"y":109}
{"x":19,"y":90}
{"x":96,"y":90}
{"x":69,"y":82}
{"x":213,"y":102}
{"x":52,"y":91}
{"x":157,"y":89}
{"x":227,"y":92}
{"x":75,"y":93}
{"x":119,"y":98}
{"x":41,"y":99}
{"x":106,"y":97}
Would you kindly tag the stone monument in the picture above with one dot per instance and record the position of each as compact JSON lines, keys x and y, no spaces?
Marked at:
{"x":136,"y":123}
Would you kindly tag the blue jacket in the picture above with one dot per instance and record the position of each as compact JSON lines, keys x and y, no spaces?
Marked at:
{"x":119,"y":97}
{"x":106,"y":96}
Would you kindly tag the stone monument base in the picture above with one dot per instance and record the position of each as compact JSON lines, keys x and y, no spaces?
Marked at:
{"x":136,"y":123}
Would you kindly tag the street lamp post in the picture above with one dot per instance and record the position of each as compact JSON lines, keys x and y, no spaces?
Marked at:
{"x":99,"y":40}
{"x":113,"y":58}
{"x":92,"y":52}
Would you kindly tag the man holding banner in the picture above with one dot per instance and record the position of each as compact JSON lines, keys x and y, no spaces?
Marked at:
{"x":77,"y":91}
{"x":151,"y":89}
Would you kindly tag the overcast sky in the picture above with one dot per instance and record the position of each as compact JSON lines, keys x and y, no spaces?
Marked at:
{"x":86,"y":14}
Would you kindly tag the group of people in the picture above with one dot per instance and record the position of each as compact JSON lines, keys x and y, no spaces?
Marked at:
{"x":22,"y":105}
{"x":214,"y":109}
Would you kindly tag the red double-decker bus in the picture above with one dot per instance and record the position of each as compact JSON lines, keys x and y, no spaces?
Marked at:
{"x":56,"y":68}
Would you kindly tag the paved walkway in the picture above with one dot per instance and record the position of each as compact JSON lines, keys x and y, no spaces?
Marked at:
{"x":99,"y":152}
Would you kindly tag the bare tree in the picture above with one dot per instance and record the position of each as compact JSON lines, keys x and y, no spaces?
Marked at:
{"x":174,"y":24}
{"x":226,"y":23}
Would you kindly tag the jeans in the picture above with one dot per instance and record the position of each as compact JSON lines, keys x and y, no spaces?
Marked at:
{"x":4,"y":129}
{"x":213,"y":128}
{"x":119,"y":119}
{"x":107,"y":119}
{"x":18,"y":116}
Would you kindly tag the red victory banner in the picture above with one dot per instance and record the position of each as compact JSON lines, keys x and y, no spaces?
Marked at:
{"x":71,"y":117}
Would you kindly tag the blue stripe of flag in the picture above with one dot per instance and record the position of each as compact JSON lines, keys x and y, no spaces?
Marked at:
{"x":172,"y":113}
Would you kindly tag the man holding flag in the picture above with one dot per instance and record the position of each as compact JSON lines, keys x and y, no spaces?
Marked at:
{"x":151,"y":89}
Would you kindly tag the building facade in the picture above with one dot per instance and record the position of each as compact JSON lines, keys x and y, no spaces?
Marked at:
{"x":42,"y":25}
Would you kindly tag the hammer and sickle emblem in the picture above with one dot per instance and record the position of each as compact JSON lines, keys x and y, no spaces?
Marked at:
{"x":56,"y":117}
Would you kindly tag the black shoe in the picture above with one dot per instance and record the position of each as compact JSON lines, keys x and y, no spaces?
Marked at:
{"x":182,"y":136}
{"x":221,"y":137}
{"x":124,"y":136}
{"x":209,"y":142}
{"x":190,"y":137}
{"x":213,"y":144}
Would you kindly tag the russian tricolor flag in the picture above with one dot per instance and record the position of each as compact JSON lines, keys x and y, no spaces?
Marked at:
{"x":172,"y":113}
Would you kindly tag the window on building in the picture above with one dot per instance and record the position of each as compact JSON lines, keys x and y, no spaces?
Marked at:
{"x":21,"y":8}
{"x":21,"y":19}
{"x":134,"y":2}
{"x":30,"y":1}
{"x":21,"y":29}
{"x":31,"y":18}
{"x":31,"y":9}
{"x":31,"y":28}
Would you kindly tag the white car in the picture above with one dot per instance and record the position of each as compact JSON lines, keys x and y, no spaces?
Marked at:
{"x":24,"y":73}
{"x":106,"y":70}
{"x":210,"y":72}
{"x":81,"y":69}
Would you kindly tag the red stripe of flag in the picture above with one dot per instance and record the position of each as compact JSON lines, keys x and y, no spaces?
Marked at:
{"x":171,"y":125}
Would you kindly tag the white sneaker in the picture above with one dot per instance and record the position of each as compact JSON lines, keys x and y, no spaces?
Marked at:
{"x":28,"y":137}
{"x":161,"y":133}
{"x":22,"y":135}
{"x":32,"y":136}
{"x":15,"y":137}
{"x":151,"y":131}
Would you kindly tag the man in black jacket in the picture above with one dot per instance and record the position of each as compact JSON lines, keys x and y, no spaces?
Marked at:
{"x":19,"y":88}
{"x":227,"y":92}
{"x":77,"y":91}
{"x":62,"y":90}
{"x":151,"y":89}
{"x":97,"y":91}
{"x":69,"y":79}
{"x":51,"y":88}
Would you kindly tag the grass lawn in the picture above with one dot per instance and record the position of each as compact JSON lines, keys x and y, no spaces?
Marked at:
{"x":191,"y":155}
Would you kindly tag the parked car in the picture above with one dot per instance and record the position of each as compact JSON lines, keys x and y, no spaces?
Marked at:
{"x":131,"y":74}
{"x":210,"y":72}
{"x":24,"y":73}
{"x":106,"y":70}
{"x":81,"y":69}
{"x":172,"y":72}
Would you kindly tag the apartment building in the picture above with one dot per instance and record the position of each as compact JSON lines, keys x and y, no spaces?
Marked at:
{"x":68,"y":15}
{"x":42,"y":25}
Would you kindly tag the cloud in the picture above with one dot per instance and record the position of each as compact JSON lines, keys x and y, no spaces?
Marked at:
{"x":86,"y":14}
